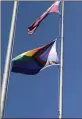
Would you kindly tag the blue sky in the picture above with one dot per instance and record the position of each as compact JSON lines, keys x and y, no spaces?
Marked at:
{"x":37,"y":96}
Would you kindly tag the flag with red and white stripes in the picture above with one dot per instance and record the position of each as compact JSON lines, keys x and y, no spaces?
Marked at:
{"x":54,"y":8}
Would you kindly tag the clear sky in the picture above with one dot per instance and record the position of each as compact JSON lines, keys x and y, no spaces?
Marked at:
{"x":37,"y":96}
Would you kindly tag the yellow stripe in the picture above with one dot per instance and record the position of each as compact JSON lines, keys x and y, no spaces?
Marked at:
{"x":31,"y":52}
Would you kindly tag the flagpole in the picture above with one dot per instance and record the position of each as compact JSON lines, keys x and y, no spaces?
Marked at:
{"x":61,"y":67}
{"x":8,"y":60}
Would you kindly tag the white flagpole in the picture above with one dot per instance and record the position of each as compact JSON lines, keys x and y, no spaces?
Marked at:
{"x":61,"y":67}
{"x":8,"y":60}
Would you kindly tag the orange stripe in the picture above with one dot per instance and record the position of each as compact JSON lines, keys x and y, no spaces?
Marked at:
{"x":31,"y":52}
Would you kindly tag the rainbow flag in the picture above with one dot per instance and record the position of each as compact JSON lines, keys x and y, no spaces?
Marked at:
{"x":33,"y":61}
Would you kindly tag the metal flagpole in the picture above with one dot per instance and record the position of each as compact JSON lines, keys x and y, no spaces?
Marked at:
{"x":61,"y":67}
{"x":8,"y":60}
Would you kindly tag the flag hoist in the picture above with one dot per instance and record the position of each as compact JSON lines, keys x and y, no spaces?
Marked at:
{"x":8,"y":60}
